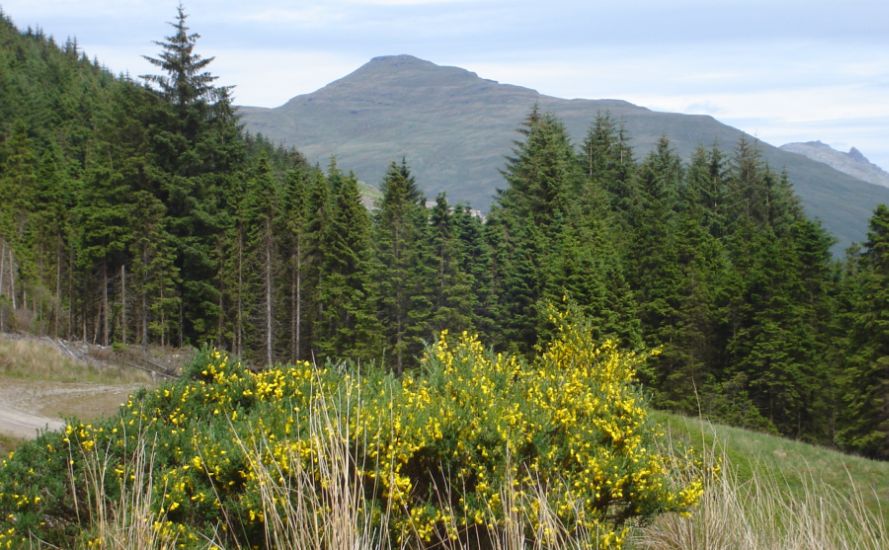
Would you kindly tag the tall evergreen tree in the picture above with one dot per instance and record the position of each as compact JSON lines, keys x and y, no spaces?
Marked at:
{"x":194,"y":119}
{"x":348,"y":326}
{"x":403,"y":261}
{"x":452,"y":293}
{"x":866,"y":427}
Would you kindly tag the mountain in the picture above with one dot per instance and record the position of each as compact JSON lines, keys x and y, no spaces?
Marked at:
{"x":455,"y":129}
{"x":853,"y":163}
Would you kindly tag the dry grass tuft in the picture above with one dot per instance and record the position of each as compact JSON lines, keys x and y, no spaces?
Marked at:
{"x":764,"y":512}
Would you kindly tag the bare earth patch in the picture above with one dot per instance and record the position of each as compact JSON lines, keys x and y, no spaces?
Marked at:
{"x":29,"y":406}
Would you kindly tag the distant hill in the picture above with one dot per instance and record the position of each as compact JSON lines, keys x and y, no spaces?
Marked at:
{"x":853,"y":163}
{"x":455,"y":129}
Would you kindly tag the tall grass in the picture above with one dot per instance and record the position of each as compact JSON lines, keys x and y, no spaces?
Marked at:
{"x":300,"y":512}
{"x":765,"y":510}
{"x":127,"y":522}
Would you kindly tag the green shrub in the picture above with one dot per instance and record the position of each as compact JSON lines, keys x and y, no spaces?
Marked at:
{"x":458,"y":449}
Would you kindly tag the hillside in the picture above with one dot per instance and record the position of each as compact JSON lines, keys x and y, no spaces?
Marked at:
{"x":455,"y":129}
{"x":768,"y":492}
{"x":853,"y":163}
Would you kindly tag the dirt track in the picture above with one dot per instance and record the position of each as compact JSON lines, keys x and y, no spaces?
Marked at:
{"x":29,"y":406}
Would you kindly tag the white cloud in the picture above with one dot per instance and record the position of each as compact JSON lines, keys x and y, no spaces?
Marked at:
{"x":736,"y":61}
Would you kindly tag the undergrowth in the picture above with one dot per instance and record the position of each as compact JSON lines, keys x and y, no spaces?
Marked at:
{"x":473,"y":450}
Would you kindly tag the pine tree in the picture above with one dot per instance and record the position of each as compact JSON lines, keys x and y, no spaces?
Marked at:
{"x":294,"y":242}
{"x":194,"y":119}
{"x":866,"y":426}
{"x":452,"y":293}
{"x":347,"y":326}
{"x":652,"y":260}
{"x":474,"y":259}
{"x":403,"y":262}
{"x":607,"y":158}
{"x":264,"y":197}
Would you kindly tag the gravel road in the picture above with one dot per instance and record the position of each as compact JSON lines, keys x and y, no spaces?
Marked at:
{"x":29,"y":406}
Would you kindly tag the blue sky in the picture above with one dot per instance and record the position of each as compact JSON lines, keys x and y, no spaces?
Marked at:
{"x":780,"y":70}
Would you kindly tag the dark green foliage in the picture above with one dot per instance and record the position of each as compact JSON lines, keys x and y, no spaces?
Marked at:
{"x":866,"y":426}
{"x":452,"y":297}
{"x":144,"y":215}
{"x":404,"y":268}
{"x":347,"y":324}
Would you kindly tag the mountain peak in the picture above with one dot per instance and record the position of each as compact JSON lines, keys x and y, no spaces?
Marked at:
{"x":402,"y":59}
{"x":853,"y":163}
{"x":396,"y":79}
{"x":857,"y":155}
{"x":404,"y":67}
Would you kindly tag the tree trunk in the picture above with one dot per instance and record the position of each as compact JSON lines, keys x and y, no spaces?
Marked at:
{"x":123,"y":303}
{"x":2,"y":264}
{"x":97,"y":324}
{"x":239,"y":339}
{"x":12,"y":277}
{"x":163,"y":323}
{"x":268,"y":294}
{"x":70,"y":328}
{"x":144,"y":319}
{"x":2,"y":273}
{"x":57,"y":303}
{"x":296,"y":303}
{"x":106,"y":306}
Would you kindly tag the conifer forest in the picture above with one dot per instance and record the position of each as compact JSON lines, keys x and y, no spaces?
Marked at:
{"x":137,"y":211}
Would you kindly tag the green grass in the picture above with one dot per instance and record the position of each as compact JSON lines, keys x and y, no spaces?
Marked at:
{"x":772,"y":492}
{"x":795,"y":463}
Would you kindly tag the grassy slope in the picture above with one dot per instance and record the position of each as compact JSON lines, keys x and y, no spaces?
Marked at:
{"x":794,"y":465}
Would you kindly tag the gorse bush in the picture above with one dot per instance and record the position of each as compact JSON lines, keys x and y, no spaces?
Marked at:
{"x":468,"y":447}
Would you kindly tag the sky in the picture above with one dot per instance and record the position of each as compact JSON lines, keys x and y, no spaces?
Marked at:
{"x":781,"y":70}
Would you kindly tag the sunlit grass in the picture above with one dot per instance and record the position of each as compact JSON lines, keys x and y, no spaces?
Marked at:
{"x":774,"y":493}
{"x":33,"y":359}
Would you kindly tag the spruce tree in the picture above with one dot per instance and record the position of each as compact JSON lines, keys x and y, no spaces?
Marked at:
{"x":452,"y":293}
{"x":866,"y":422}
{"x":404,"y":278}
{"x":194,"y":118}
{"x":348,"y":326}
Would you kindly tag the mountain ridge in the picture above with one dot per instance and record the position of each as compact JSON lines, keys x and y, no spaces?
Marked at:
{"x":853,"y":163}
{"x":456,"y":128}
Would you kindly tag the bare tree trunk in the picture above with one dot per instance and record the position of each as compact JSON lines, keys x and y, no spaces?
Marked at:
{"x":123,"y":303}
{"x":144,"y":299}
{"x":70,"y":331}
{"x":220,"y":319}
{"x":268,"y":294}
{"x":239,"y":314}
{"x":106,"y":306}
{"x":163,"y":320}
{"x":2,"y":273}
{"x":97,"y":325}
{"x":2,"y":264}
{"x":12,"y":277}
{"x":57,"y":304}
{"x":296,"y":301}
{"x":144,"y":319}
